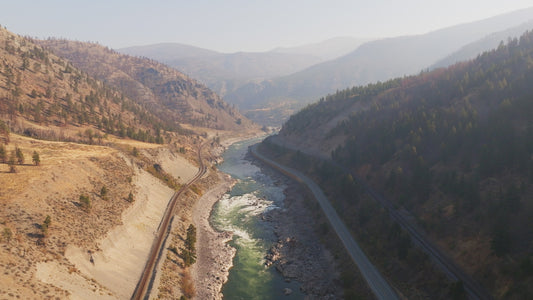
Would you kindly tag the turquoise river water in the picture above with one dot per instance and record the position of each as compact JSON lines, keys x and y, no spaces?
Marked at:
{"x":239,"y":211}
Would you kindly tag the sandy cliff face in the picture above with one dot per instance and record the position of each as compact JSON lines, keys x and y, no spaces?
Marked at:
{"x":116,"y":233}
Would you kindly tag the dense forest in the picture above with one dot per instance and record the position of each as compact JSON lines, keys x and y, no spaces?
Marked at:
{"x":454,"y":147}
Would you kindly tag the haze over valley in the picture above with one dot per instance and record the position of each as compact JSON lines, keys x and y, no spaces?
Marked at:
{"x":301,"y":150}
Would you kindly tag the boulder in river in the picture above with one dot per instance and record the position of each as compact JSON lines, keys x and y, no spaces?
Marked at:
{"x":287,"y":291}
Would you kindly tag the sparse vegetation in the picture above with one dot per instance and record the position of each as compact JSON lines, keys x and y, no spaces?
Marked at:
{"x":188,"y":253}
{"x":85,"y":202}
{"x":4,"y":132}
{"x":157,"y":171}
{"x":3,"y":154}
{"x":171,"y":92}
{"x":187,"y":284}
{"x":196,"y":190}
{"x":46,"y":224}
{"x":103,"y":192}
{"x":36,"y":159}
{"x":11,"y":162}
{"x":19,"y":155}
{"x":7,"y":234}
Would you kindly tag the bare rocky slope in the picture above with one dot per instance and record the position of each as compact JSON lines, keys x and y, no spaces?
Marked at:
{"x":161,"y":89}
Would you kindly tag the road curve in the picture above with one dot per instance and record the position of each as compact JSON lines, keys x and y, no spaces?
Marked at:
{"x":379,"y":286}
{"x":474,"y":290}
{"x":142,"y":290}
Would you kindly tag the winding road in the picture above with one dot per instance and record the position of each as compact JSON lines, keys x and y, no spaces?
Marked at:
{"x":144,"y":286}
{"x":473,"y":289}
{"x":379,"y":286}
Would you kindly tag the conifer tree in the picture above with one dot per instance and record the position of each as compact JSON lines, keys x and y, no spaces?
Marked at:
{"x":3,"y":154}
{"x":19,"y":155}
{"x":36,"y":159}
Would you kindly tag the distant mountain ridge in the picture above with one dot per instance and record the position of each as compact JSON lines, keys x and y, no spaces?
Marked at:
{"x":489,"y":42}
{"x":270,"y":86}
{"x":225,"y":72}
{"x":328,"y":49}
{"x":373,"y":61}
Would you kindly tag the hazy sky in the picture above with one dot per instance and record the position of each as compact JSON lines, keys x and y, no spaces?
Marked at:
{"x":239,"y":25}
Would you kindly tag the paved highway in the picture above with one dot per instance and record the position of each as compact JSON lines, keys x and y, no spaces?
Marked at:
{"x":380,"y":287}
{"x":474,"y":290}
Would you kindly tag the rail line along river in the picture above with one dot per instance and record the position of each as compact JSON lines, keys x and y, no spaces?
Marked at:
{"x":240,"y":211}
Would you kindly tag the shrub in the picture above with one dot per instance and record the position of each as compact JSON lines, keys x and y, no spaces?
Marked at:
{"x":103,"y":192}
{"x":85,"y":202}
{"x":7,"y":234}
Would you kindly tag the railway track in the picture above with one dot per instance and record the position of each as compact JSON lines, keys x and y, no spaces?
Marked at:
{"x":144,"y":286}
{"x":474,"y":290}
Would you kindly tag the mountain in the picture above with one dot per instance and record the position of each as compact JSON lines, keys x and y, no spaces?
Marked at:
{"x":374,"y":61}
{"x":43,"y":95}
{"x":165,"y":52}
{"x":88,"y":167}
{"x":487,"y":43}
{"x":171,"y":95}
{"x":451,"y":148}
{"x":224,"y":72}
{"x":325,"y":50}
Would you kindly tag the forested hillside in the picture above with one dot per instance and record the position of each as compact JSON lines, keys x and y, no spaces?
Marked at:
{"x":169,"y":94}
{"x":454,"y":147}
{"x":43,"y":95}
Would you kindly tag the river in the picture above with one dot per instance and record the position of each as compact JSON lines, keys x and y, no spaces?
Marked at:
{"x":240,"y":211}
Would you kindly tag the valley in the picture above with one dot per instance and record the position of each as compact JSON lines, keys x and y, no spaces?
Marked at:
{"x":393,"y":165}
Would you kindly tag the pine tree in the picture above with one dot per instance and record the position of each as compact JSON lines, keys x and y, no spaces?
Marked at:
{"x":19,"y":155}
{"x":3,"y":154}
{"x":46,"y":224}
{"x":189,"y":252}
{"x":11,"y":163}
{"x":130,"y":197}
{"x":36,"y":159}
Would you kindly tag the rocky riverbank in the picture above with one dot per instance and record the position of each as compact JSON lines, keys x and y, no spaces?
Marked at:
{"x":298,"y":254}
{"x":214,"y":256}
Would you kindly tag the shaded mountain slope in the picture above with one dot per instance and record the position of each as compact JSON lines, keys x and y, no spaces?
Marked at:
{"x":454,"y":148}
